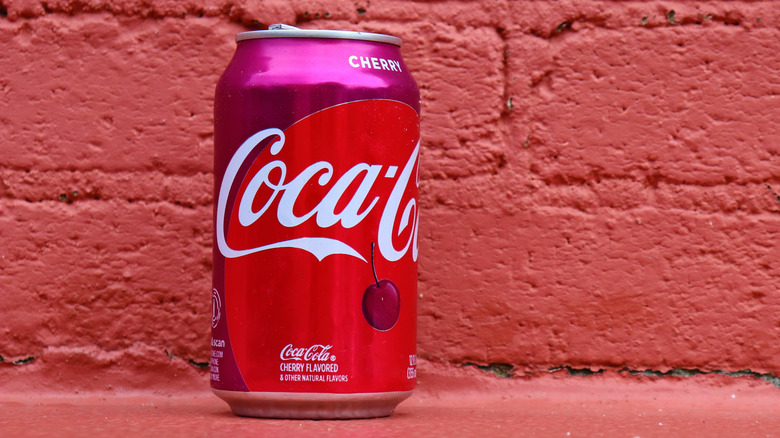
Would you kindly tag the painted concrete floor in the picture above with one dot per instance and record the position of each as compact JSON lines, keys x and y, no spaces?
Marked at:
{"x":461,"y":403}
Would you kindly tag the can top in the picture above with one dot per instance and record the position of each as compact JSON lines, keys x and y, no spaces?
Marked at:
{"x":287,"y":31}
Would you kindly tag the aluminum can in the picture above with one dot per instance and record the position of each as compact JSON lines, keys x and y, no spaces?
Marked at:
{"x":316,"y":171}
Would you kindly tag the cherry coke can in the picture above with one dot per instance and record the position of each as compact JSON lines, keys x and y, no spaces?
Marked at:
{"x":316,"y":177}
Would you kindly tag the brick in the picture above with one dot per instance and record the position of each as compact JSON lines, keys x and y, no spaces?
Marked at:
{"x":686,"y":105}
{"x":70,"y":186}
{"x":506,"y":195}
{"x":105,"y":273}
{"x":638,"y":289}
{"x":548,"y":19}
{"x":461,"y":84}
{"x":17,"y":9}
{"x":110,"y":94}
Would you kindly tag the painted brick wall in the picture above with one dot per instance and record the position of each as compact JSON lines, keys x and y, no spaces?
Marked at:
{"x":600,"y":183}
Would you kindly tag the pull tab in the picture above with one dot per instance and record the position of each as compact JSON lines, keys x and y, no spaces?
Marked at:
{"x":280,"y":26}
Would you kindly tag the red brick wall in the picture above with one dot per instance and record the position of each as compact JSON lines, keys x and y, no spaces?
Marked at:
{"x":599,"y":187}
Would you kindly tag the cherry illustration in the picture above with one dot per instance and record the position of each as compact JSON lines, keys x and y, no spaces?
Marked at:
{"x":381,"y":301}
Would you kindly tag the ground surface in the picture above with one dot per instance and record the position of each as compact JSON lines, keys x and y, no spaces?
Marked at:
{"x":599,"y":181}
{"x":459,"y":402}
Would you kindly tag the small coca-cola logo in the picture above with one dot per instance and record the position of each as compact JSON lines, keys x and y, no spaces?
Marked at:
{"x":282,"y":193}
{"x":314,"y":353}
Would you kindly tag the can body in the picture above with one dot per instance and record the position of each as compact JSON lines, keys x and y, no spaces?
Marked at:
{"x":316,"y":171}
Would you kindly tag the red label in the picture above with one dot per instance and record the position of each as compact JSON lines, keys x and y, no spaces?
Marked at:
{"x":319,"y":237}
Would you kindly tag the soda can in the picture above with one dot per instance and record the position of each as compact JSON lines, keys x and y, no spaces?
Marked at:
{"x":316,"y":181}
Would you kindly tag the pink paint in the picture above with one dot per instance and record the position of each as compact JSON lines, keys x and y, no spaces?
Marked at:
{"x":463,"y":402}
{"x":619,"y":211}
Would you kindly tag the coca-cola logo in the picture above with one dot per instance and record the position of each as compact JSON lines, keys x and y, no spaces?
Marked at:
{"x":298,"y":201}
{"x":314,"y":353}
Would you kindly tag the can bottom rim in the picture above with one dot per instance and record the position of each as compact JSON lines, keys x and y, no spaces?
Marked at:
{"x":308,"y":405}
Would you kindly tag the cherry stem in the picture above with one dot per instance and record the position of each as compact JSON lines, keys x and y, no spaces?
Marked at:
{"x":373,"y":267}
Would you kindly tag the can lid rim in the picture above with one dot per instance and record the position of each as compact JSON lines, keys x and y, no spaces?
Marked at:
{"x":318,"y":33}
